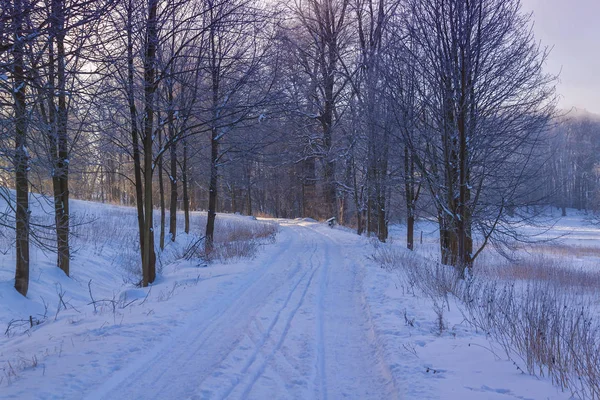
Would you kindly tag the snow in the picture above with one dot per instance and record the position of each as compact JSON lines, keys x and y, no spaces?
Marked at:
{"x":456,"y":364}
{"x":311,"y":316}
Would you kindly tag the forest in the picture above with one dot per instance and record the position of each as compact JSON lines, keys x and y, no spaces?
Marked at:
{"x":366,"y":111}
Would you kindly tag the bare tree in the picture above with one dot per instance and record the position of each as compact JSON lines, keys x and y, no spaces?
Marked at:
{"x":235,"y":57}
{"x":17,"y":12}
{"x":319,"y":38}
{"x":485,"y":102}
{"x":402,"y":80}
{"x":372,"y":18}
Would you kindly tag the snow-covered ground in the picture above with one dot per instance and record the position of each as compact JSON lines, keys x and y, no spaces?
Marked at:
{"x":311,"y":316}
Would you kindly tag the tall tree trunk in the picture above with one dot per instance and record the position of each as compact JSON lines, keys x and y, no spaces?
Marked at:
{"x":372,"y":176}
{"x":173,"y":140}
{"x":463,"y":220}
{"x":184,"y":182}
{"x":137,"y":162}
{"x":357,"y":201}
{"x":329,"y":60}
{"x":212,"y":191}
{"x":61,"y":173}
{"x":161,"y":190}
{"x":410,"y":231}
{"x":382,"y":225}
{"x":329,"y":168}
{"x":173,"y":174}
{"x":382,"y":176}
{"x":411,"y":196}
{"x":448,"y":212}
{"x":344,"y":197}
{"x":249,"y":202}
{"x":174,"y":199}
{"x":21,"y":157}
{"x":149,"y":259}
{"x":214,"y":140}
{"x":448,"y":242}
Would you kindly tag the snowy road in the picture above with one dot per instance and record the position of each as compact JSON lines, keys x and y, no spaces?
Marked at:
{"x":310,"y":317}
{"x":296,"y":327}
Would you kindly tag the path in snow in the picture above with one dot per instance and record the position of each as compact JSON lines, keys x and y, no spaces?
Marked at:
{"x":296,"y":327}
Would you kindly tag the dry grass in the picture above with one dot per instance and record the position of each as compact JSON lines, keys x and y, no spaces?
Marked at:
{"x":546,"y":329}
{"x":241,"y":240}
{"x":562,"y":250}
{"x":244,"y":230}
{"x":234,"y":240}
{"x":540,"y":310}
{"x":542,"y":268}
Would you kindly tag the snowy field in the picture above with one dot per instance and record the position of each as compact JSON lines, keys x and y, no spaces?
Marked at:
{"x":310,"y":315}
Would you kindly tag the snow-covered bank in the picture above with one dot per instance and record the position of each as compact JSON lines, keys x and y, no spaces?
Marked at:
{"x":61,"y":329}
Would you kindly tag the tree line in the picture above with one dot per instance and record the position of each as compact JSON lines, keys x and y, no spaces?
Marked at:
{"x":362,"y":110}
{"x":572,"y":171}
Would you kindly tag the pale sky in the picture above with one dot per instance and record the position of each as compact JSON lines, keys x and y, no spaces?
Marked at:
{"x":573,"y":28}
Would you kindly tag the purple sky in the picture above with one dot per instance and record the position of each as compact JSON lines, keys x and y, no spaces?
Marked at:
{"x":573,"y":28}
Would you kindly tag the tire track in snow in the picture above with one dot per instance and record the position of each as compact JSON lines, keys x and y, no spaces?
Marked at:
{"x":318,"y":335}
{"x":267,"y":333}
{"x":282,"y":338}
{"x":320,"y":367}
{"x":154,"y":365}
{"x":345,"y":295}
